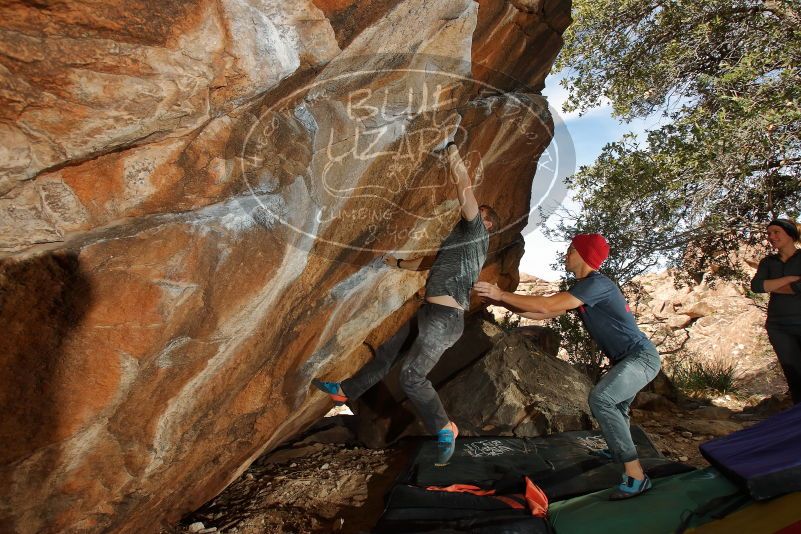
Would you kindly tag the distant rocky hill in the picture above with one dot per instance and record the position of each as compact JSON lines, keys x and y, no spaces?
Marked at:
{"x":723,"y":322}
{"x":709,"y":322}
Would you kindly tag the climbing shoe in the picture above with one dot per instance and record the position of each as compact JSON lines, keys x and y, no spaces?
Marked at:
{"x":333,"y":390}
{"x":446,"y":444}
{"x":606,"y":454}
{"x":630,"y":487}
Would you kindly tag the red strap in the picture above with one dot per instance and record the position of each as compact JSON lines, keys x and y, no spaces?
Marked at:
{"x":462,"y":488}
{"x":475,"y":490}
{"x":536,"y":499}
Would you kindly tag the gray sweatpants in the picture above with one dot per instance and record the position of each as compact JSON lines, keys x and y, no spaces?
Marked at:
{"x":439,"y":327}
{"x":611,"y":397}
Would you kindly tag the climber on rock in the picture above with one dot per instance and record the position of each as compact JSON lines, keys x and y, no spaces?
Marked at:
{"x":608,"y":319}
{"x":440,"y":320}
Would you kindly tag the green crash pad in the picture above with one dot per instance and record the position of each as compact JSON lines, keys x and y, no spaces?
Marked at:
{"x":660,"y":510}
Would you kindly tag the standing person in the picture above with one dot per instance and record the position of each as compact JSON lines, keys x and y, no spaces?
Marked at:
{"x":440,"y":320}
{"x":608,"y":319}
{"x":780,"y":275}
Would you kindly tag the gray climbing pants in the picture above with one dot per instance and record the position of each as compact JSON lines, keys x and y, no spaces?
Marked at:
{"x":439,"y":327}
{"x":611,"y":398}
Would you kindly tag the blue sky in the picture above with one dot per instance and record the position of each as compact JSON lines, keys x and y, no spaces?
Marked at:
{"x":588,"y":133}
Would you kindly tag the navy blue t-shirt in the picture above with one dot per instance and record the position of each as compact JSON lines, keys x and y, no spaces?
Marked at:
{"x":607,"y":316}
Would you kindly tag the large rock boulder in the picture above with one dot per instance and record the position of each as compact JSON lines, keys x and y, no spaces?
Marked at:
{"x":516,"y":389}
{"x":490,"y":382}
{"x":710,"y":323}
{"x":193,"y":199}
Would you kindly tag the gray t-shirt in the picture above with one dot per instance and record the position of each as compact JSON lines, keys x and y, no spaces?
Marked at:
{"x":459,"y":261}
{"x":607,"y":316}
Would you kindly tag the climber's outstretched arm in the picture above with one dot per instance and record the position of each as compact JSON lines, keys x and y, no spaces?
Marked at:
{"x":464,"y":186}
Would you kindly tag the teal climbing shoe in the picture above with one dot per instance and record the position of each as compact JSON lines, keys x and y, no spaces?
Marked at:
{"x":630,"y":487}
{"x":333,"y":389}
{"x":446,"y":444}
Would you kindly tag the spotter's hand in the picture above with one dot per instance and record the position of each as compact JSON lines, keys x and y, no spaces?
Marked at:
{"x":487,"y":290}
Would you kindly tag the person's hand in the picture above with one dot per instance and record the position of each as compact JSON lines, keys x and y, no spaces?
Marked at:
{"x":454,"y":159}
{"x":391,"y":260}
{"x":790,"y":279}
{"x":487,"y":290}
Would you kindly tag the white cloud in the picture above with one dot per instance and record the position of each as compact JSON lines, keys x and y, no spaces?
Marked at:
{"x":557,"y":96}
{"x":540,"y":254}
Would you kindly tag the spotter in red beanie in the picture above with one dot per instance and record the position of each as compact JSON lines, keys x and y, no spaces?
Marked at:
{"x":592,"y":248}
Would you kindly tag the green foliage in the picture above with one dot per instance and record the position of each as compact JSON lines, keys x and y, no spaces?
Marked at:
{"x":694,"y":377}
{"x":760,"y":299}
{"x":726,"y":74}
{"x":509,"y":321}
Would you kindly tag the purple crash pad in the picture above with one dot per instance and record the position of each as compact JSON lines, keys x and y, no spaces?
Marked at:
{"x":765,"y":458}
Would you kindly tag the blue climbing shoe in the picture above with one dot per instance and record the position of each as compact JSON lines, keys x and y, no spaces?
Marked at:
{"x":333,"y":389}
{"x":446,"y":444}
{"x":630,"y":487}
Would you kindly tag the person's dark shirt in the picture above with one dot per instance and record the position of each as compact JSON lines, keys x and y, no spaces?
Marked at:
{"x":459,"y":261}
{"x":782,"y":309}
{"x":607,"y":316}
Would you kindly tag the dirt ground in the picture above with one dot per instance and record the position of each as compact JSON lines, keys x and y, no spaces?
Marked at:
{"x":666,"y":434}
{"x":306,"y":488}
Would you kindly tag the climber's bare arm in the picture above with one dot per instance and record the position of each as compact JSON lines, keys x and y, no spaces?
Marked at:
{"x":530,"y":315}
{"x":541,"y":316}
{"x":464,"y":186}
{"x":552,"y":305}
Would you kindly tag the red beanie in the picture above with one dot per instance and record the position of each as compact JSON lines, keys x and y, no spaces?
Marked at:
{"x":592,"y":248}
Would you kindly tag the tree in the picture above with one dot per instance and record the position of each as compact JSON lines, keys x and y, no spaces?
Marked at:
{"x":726,"y":74}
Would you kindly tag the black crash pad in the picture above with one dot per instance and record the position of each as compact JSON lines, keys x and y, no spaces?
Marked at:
{"x":561,"y":464}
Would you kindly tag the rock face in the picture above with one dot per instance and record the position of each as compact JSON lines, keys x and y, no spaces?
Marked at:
{"x":710,"y":323}
{"x":522,"y":392}
{"x":193,"y":200}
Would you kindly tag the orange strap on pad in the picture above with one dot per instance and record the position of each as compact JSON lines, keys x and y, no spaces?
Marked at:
{"x":462,"y":488}
{"x":536,"y":498}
